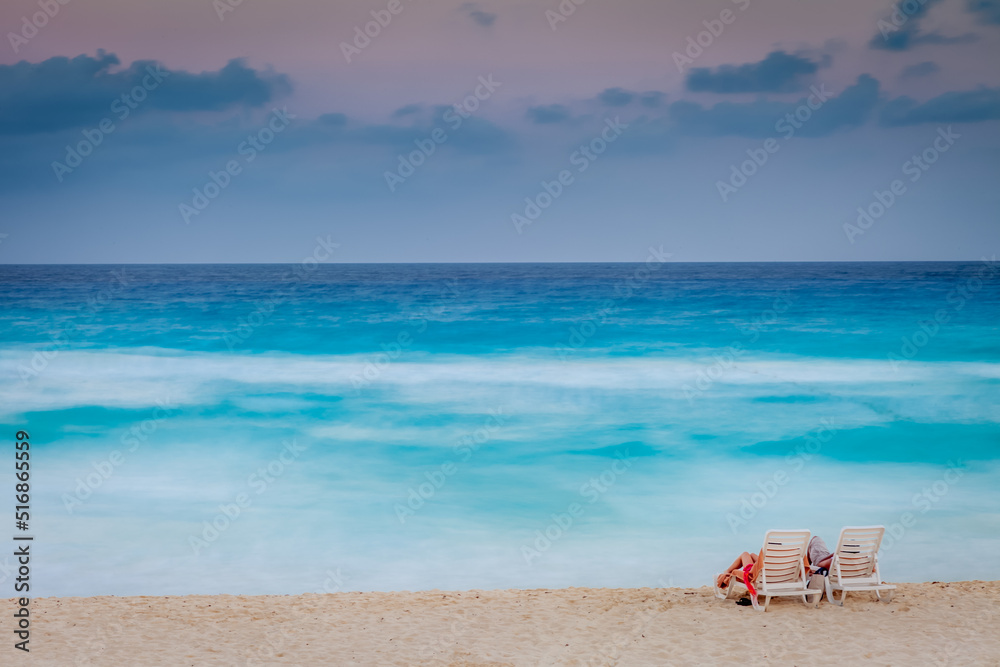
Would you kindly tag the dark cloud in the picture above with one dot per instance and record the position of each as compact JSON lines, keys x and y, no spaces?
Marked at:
{"x":778,"y":72}
{"x":918,"y":70}
{"x":900,"y":30}
{"x":547,"y":114}
{"x":971,"y":106}
{"x":468,"y":135}
{"x":478,"y":136}
{"x":759,"y":119}
{"x":616,"y":97}
{"x":652,"y":99}
{"x":407,"y":110}
{"x":903,"y":40}
{"x":483,"y":18}
{"x":61,"y":92}
{"x":619,"y":97}
{"x":986,"y":11}
{"x":178,"y":141}
{"x":332,"y":119}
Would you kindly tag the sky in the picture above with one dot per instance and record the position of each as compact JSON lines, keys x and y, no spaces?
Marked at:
{"x":488,"y":131}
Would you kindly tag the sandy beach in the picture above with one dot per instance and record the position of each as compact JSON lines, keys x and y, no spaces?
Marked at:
{"x":928,"y":623}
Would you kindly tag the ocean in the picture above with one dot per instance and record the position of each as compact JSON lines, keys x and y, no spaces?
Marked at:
{"x":338,"y":427}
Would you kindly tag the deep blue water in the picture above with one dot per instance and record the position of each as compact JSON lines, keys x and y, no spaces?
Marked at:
{"x":425,"y":424}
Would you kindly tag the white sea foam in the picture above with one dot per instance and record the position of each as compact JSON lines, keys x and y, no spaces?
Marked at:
{"x":131,"y":379}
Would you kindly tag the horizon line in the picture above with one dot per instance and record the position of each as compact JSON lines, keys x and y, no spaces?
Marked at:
{"x":333,"y":263}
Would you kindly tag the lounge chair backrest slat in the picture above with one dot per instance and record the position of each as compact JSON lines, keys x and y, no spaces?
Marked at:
{"x":857,"y":549}
{"x":783,"y":554}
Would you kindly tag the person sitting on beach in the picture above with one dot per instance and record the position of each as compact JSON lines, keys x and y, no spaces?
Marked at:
{"x":736,"y":569}
{"x":817,"y":555}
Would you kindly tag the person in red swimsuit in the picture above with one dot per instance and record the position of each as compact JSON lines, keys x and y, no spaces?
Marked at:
{"x":736,"y":569}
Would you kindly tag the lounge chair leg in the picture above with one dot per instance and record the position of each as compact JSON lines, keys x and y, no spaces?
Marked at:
{"x":719,"y":592}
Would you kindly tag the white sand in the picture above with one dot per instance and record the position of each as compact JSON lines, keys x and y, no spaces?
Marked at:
{"x":925,"y":624}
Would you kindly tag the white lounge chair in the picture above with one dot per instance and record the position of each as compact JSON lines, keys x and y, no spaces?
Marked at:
{"x":855,"y":564}
{"x":783,"y":571}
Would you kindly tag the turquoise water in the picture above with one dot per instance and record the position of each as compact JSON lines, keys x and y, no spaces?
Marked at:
{"x":386,"y":427}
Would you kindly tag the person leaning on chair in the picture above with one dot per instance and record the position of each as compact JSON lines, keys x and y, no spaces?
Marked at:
{"x":818,"y":557}
{"x":736,"y":569}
